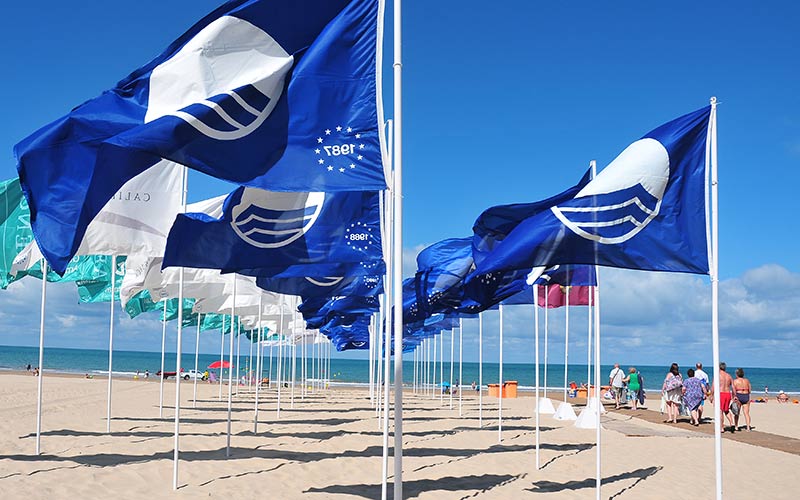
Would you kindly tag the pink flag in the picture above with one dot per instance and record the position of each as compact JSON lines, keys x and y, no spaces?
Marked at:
{"x":557,"y":296}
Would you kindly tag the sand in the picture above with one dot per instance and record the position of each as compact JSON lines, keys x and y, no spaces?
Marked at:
{"x":329,"y":446}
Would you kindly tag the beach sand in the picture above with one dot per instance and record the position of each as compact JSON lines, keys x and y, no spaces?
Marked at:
{"x":329,"y":446}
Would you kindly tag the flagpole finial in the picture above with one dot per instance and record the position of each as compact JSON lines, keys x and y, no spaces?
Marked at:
{"x":713,"y":100}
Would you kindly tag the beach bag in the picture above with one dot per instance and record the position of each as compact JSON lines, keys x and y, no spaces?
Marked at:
{"x":735,"y":406}
{"x":673,"y":383}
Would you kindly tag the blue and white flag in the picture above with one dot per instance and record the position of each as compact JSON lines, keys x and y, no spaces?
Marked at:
{"x":281,"y":95}
{"x":310,"y":288}
{"x":646,"y":210}
{"x":265,"y":233}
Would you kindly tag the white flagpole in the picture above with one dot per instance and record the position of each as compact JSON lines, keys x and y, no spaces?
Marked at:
{"x":250,"y":369}
{"x":398,"y":252}
{"x":379,"y":360}
{"x":238,"y":357}
{"x":221,"y":350}
{"x":196,"y":360}
{"x":281,"y":334}
{"x":480,"y":369}
{"x":598,"y":402}
{"x":41,"y":360}
{"x":270,"y":365}
{"x":589,"y":349}
{"x":110,"y":341}
{"x":452,"y":350}
{"x":441,"y":367}
{"x":371,"y":359}
{"x":500,"y":389}
{"x":536,"y":357}
{"x":258,"y":360}
{"x":230,"y":369}
{"x":566,"y":342}
{"x":294,"y":367}
{"x":460,"y":363}
{"x":711,"y":149}
{"x":546,"y":308}
{"x":163,"y":348}
{"x":179,"y":351}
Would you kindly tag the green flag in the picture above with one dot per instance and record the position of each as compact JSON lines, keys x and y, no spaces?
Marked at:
{"x":15,"y":220}
{"x":98,"y":289}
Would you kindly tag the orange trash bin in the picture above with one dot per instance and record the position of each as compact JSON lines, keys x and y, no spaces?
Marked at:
{"x":493,"y":390}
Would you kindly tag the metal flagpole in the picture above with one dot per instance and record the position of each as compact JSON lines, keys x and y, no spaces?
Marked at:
{"x":238,"y":357}
{"x":480,"y":369}
{"x":566,"y":342}
{"x":460,"y":362}
{"x":371,"y":365}
{"x":221,"y":350}
{"x":386,"y":346}
{"x":250,"y":369}
{"x":433,"y":375}
{"x":500,"y":389}
{"x":41,"y":360}
{"x":178,"y":352}
{"x":711,"y":154}
{"x":230,"y":369}
{"x":110,"y":340}
{"x":441,"y":367}
{"x":258,"y":359}
{"x":598,"y":402}
{"x":281,"y":333}
{"x":452,"y":358}
{"x":196,"y":360}
{"x":536,"y":357}
{"x":589,"y":349}
{"x":546,"y":309}
{"x":270,"y":363}
{"x":163,"y":348}
{"x":398,"y":252}
{"x":294,"y":368}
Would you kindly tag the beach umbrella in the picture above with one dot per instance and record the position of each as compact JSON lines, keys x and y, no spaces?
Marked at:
{"x":219,"y":364}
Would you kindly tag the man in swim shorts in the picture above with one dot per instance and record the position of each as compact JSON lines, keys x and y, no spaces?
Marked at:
{"x":725,"y":394}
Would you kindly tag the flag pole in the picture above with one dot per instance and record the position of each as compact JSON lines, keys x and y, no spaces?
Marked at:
{"x":230,"y":369}
{"x":460,"y":362}
{"x":566,"y":343}
{"x":110,"y":341}
{"x":281,"y":334}
{"x":398,"y":252}
{"x":589,"y":349}
{"x":196,"y":361}
{"x":258,"y":359}
{"x":536,"y":357}
{"x":546,"y":310}
{"x":41,"y":360}
{"x":502,"y":385}
{"x":480,"y":369}
{"x":163,"y":348}
{"x":221,"y":351}
{"x":598,"y":403}
{"x":179,"y":349}
{"x":711,"y":149}
{"x":452,"y":349}
{"x":441,"y":367}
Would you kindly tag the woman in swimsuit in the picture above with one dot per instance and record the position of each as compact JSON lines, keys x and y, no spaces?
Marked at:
{"x":742,"y":388}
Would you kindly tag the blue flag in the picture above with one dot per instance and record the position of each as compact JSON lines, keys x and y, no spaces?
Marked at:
{"x":265,"y":233}
{"x":277,"y":95}
{"x":646,"y":210}
{"x":310,"y":288}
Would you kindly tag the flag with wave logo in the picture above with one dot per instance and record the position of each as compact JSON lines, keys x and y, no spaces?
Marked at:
{"x":309,"y":288}
{"x":266,"y":233}
{"x":281,"y":95}
{"x":99,"y":288}
{"x":646,"y":210}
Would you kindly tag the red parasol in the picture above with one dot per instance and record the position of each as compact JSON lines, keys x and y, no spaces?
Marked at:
{"x":218,"y":364}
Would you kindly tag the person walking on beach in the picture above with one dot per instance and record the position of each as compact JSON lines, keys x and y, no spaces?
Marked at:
{"x":694,"y":393}
{"x":616,"y":383}
{"x":725,"y":393}
{"x":673,"y":393}
{"x":742,"y":387}
{"x":634,"y":381}
{"x":703,"y":376}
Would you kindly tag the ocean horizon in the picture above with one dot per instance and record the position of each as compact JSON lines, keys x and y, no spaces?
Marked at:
{"x":356,"y":371}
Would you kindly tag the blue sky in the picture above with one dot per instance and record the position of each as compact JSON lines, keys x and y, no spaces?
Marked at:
{"x":505,"y":103}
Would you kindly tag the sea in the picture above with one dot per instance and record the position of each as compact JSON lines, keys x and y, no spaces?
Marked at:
{"x":356,"y":372}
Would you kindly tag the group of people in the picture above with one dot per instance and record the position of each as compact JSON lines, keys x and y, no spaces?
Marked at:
{"x":627,"y":385}
{"x":693,"y":391}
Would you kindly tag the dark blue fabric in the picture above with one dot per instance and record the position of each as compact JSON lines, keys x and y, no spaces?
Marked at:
{"x":310,"y":288}
{"x":343,"y":239}
{"x":71,"y":167}
{"x":675,"y":239}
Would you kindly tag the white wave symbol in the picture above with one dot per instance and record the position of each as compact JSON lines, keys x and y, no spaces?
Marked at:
{"x":224,"y":82}
{"x":326,"y":281}
{"x":623,"y":199}
{"x":273,"y":220}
